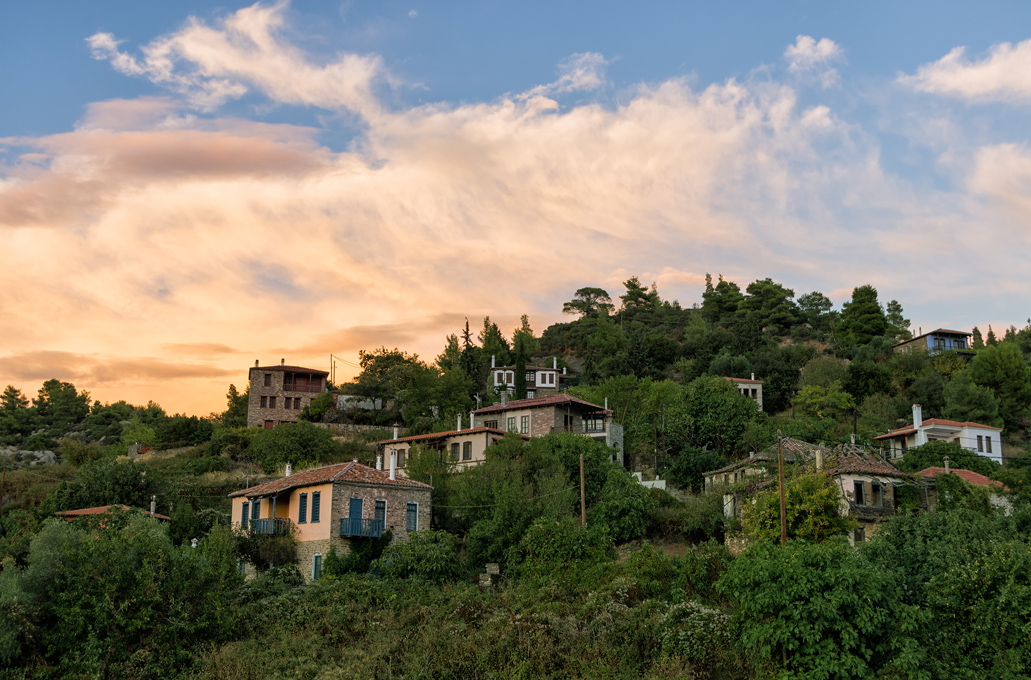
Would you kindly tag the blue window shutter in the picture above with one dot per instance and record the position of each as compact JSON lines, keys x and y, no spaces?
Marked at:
{"x":256,"y":509}
{"x":412,"y":517}
{"x":315,"y":498}
{"x":302,"y":513}
{"x":245,"y":514}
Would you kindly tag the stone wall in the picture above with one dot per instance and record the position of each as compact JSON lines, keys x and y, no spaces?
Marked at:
{"x":397,"y":502}
{"x":258,"y":416}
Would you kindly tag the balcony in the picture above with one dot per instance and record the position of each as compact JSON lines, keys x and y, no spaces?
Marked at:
{"x":301,"y":387}
{"x":361,"y":528}
{"x":270,"y":525}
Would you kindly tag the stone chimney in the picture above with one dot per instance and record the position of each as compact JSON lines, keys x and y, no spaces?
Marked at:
{"x":819,"y":458}
{"x":504,"y":398}
{"x":255,"y":363}
{"x":393,"y":464}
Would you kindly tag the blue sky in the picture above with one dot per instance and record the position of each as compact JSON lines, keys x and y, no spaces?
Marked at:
{"x":186,"y":189}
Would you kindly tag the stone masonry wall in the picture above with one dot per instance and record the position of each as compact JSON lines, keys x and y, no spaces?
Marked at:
{"x":397,"y":501}
{"x":256,"y":416}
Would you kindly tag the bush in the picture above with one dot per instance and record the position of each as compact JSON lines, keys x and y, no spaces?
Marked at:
{"x":932,"y":454}
{"x":695,"y":633}
{"x":552,"y":543}
{"x":302,"y":444}
{"x":426,"y":555}
{"x":813,"y":511}
{"x":364,"y":551}
{"x":269,"y":550}
{"x":625,"y":507}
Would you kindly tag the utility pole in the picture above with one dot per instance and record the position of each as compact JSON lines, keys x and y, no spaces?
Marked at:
{"x":583,"y":496}
{"x":662,"y":420}
{"x":783,"y":503}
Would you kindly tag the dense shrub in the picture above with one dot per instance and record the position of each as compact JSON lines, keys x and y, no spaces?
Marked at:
{"x":301,"y":444}
{"x":625,"y":507}
{"x":426,"y":555}
{"x":364,"y":551}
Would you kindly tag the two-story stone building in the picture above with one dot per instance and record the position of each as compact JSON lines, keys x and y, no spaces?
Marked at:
{"x":332,"y":505}
{"x":278,"y":393}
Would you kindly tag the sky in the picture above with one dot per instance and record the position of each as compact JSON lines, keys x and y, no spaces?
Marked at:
{"x":190,"y":189}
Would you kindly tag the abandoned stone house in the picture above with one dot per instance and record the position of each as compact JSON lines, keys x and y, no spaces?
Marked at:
{"x":278,"y":393}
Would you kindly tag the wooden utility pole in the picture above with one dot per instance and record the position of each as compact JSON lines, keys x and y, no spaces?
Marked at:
{"x":583,"y":496}
{"x":662,"y":420}
{"x":3,"y":483}
{"x":783,"y":502}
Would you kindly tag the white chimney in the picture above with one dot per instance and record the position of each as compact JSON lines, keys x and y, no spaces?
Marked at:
{"x":606,"y":403}
{"x":395,"y":431}
{"x":753,"y":376}
{"x":153,"y":504}
{"x":946,"y":459}
{"x":554,"y":363}
{"x":492,"y":359}
{"x":918,"y":416}
{"x":471,"y":421}
{"x":255,"y":363}
{"x":379,"y":461}
{"x":393,"y":464}
{"x":282,"y":362}
{"x":288,"y":470}
{"x":459,"y":420}
{"x":563,"y":370}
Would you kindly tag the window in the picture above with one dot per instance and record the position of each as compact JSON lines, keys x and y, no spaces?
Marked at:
{"x":315,"y":498}
{"x":859,"y":535}
{"x":316,"y":566}
{"x":454,"y":451}
{"x":288,"y":381}
{"x":412,"y":517}
{"x":256,"y":509}
{"x":268,"y":380}
{"x":302,"y":512}
{"x":467,"y":451}
{"x":245,"y":514}
{"x":297,"y":403}
{"x":511,"y":424}
{"x":289,"y":403}
{"x":381,"y":511}
{"x":524,"y":425}
{"x":491,"y":423}
{"x":510,"y":377}
{"x":875,"y":495}
{"x":988,"y":444}
{"x":400,"y":457}
{"x":980,"y":444}
{"x":271,"y":402}
{"x":529,"y":376}
{"x":264,"y":402}
{"x":860,"y":500}
{"x":499,"y":378}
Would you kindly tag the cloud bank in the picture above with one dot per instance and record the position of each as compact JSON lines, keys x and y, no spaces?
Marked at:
{"x":157,"y":228}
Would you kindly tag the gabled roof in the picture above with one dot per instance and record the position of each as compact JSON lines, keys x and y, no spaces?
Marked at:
{"x":855,"y":465}
{"x":540,"y":402}
{"x":794,"y":449}
{"x":743,"y":380}
{"x":291,"y":369}
{"x":101,"y":509}
{"x":969,"y":475}
{"x":432,"y":436}
{"x":933,"y":422}
{"x":353,"y":472}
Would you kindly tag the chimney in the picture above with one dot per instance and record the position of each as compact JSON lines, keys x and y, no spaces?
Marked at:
{"x":819,"y":458}
{"x":282,"y":362}
{"x":393,"y":464}
{"x":563,"y":370}
{"x":395,"y":430}
{"x":255,"y":363}
{"x":471,"y":420}
{"x":606,"y":403}
{"x":288,"y":470}
{"x":946,"y":459}
{"x":153,"y":504}
{"x":554,"y":363}
{"x":918,"y":416}
{"x":753,"y":376}
{"x":459,"y":419}
{"x":492,"y":361}
{"x":504,"y":398}
{"x":379,"y":461}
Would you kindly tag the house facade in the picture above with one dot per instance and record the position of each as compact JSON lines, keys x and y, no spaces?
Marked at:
{"x":278,"y":393}
{"x":940,"y":340}
{"x":331,"y":506}
{"x":463,"y":447}
{"x":556,"y":413}
{"x":983,"y":440}
{"x":867,"y":489}
{"x":540,"y":381}
{"x":750,"y":387}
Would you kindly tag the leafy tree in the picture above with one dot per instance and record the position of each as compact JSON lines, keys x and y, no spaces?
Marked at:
{"x":137,"y":432}
{"x":814,"y":610}
{"x":384,"y":372}
{"x":315,"y":410}
{"x":718,"y":414}
{"x":865,"y":378}
{"x":778,"y":370}
{"x":769,"y":305}
{"x":928,"y":390}
{"x":825,"y":402}
{"x":109,"y":482}
{"x":426,"y":556}
{"x":624,"y":508}
{"x":235,"y":414}
{"x":898,"y":325}
{"x":824,"y":371}
{"x":816,"y":310}
{"x":451,"y":357}
{"x":589,"y":302}
{"x":301,"y":444}
{"x":638,"y":298}
{"x":967,"y":401}
{"x":1002,"y":369}
{"x":932,"y":454}
{"x":813,"y":511}
{"x":720,"y":302}
{"x":686,"y":468}
{"x":862,"y":318}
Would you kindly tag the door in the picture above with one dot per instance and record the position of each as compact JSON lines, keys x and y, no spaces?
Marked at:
{"x":354,"y":512}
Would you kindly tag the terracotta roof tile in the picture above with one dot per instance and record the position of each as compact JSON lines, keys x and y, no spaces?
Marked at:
{"x":537,"y":402}
{"x":291,"y":369}
{"x":444,"y":435}
{"x":353,"y":472}
{"x":101,"y":509}
{"x":969,"y":475}
{"x":855,"y":465}
{"x":743,"y":380}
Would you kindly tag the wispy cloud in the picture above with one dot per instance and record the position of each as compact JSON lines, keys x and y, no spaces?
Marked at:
{"x":813,"y":58}
{"x":1003,"y":75}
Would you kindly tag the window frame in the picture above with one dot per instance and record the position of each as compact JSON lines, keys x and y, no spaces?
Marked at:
{"x":302,"y":508}
{"x":524,"y":425}
{"x":316,"y":506}
{"x":409,"y":514}
{"x":467,"y":451}
{"x":245,"y":515}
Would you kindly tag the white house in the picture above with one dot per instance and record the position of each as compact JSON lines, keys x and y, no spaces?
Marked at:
{"x":983,"y":440}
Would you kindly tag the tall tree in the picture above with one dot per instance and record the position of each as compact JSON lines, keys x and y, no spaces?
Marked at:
{"x":978,"y":340}
{"x":898,"y":325}
{"x":769,"y":304}
{"x":589,"y":302}
{"x":451,"y":357}
{"x":991,"y":341}
{"x":816,"y":310}
{"x":720,"y":302}
{"x":520,"y":366}
{"x":235,"y":414}
{"x":59,"y":404}
{"x":862,"y":318}
{"x":13,"y":399}
{"x":531,"y":345}
{"x":493,"y":342}
{"x":1002,"y":369}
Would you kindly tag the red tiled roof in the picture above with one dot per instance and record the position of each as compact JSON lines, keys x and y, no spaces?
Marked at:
{"x":860,"y":466}
{"x":537,"y":402}
{"x":909,"y":429}
{"x":291,"y":369}
{"x":742,"y":380}
{"x":444,"y":435}
{"x":101,"y":509}
{"x":969,"y":475}
{"x":353,"y":472}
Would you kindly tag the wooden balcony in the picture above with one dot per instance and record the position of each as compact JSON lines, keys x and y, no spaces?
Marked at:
{"x":270,"y":525}
{"x":356,"y":527}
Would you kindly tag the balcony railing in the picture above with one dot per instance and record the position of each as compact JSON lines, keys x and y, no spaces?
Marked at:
{"x":589,"y":429}
{"x":361,"y":528}
{"x":302,"y":387}
{"x":270,"y":525}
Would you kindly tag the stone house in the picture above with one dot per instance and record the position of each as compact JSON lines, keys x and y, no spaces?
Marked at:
{"x":556,"y":413}
{"x":939,"y":340}
{"x":278,"y":393}
{"x":540,"y":380}
{"x":868,"y":489}
{"x":464,"y":447}
{"x":331,"y":506}
{"x":983,"y":440}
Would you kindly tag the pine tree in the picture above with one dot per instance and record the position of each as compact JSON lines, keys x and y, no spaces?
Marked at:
{"x":978,"y":340}
{"x":992,"y":341}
